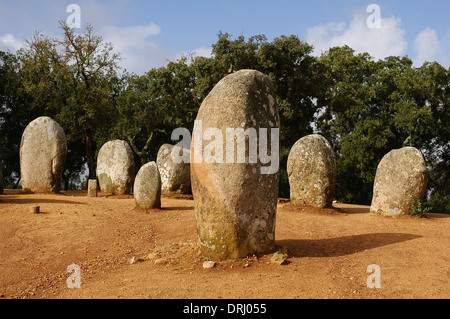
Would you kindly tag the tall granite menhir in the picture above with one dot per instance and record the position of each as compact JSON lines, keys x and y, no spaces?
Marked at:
{"x":43,"y":151}
{"x":115,"y":167}
{"x":234,"y":202}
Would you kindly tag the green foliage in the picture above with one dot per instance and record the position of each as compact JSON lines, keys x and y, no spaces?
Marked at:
{"x":419,"y":208}
{"x":75,"y":81}
{"x":369,"y":108}
{"x":292,"y":70}
{"x":365,"y":108}
{"x":16,"y":111}
{"x":151,"y":106}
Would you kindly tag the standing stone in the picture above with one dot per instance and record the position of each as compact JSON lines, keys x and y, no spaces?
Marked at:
{"x":147,"y":187}
{"x":311,"y":168}
{"x":235,"y":203}
{"x":92,"y":188}
{"x":401,"y":179}
{"x":115,"y":167}
{"x":175,"y":177}
{"x":34,"y":209}
{"x":43,"y":151}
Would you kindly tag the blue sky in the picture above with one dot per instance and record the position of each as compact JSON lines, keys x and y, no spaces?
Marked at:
{"x":149,"y":33}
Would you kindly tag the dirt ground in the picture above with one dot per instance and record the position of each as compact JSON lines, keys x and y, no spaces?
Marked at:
{"x":329,"y":252}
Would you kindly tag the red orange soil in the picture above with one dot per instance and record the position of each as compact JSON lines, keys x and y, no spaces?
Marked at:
{"x":329,"y":252}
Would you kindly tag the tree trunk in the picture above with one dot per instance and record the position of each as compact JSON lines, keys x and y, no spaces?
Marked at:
{"x":66,"y":179}
{"x":90,"y":154}
{"x":143,"y":160}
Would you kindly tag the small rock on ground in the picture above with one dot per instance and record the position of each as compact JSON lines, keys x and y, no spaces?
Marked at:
{"x":208,"y":264}
{"x":278,"y":258}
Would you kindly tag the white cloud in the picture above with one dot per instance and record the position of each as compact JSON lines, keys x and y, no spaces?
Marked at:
{"x":429,"y":47}
{"x":9,"y":43}
{"x":378,"y":42}
{"x":203,"y":52}
{"x":138,"y":52}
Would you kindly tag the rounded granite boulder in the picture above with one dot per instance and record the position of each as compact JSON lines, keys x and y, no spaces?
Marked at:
{"x":175,"y":177}
{"x":400,"y":180}
{"x":115,"y":167}
{"x":43,"y":151}
{"x":147,"y":187}
{"x":311,"y":169}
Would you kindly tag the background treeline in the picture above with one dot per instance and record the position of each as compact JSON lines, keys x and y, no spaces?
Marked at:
{"x":363,"y":107}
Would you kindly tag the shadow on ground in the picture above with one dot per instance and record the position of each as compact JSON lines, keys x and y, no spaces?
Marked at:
{"x":341,"y":246}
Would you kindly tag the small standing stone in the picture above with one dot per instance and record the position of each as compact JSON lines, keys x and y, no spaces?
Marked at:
{"x":34,"y":209}
{"x":92,"y":188}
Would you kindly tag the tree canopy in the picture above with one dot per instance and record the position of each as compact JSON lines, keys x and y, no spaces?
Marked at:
{"x":365,"y":108}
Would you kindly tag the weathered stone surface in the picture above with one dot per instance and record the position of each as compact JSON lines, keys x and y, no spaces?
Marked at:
{"x":92,"y":188}
{"x":278,"y":258}
{"x":43,"y":151}
{"x":175,"y":177}
{"x":311,"y":168}
{"x":209,"y":264}
{"x":401,"y":178}
{"x":115,"y":167}
{"x":235,"y":204}
{"x":147,"y":187}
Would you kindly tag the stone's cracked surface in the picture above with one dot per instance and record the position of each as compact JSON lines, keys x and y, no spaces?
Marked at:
{"x":235,"y":207}
{"x":175,"y":177}
{"x":401,"y":179}
{"x":115,"y":167}
{"x":311,"y":168}
{"x":43,"y":151}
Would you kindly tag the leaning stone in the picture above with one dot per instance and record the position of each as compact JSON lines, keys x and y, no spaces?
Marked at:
{"x":401,"y":179}
{"x":311,"y":168}
{"x":175,"y":174}
{"x":235,"y":202}
{"x":147,"y":187}
{"x":115,"y":167}
{"x":43,"y":151}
